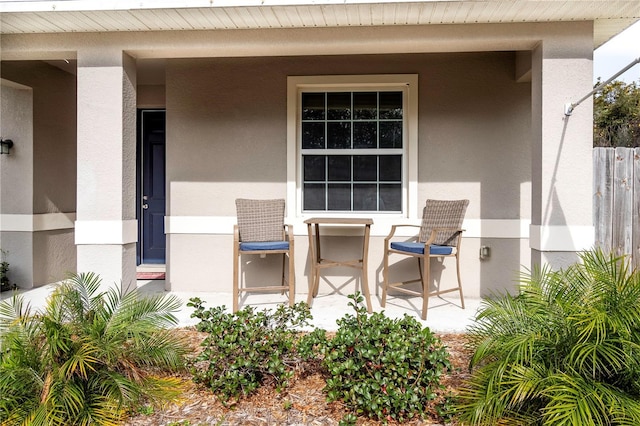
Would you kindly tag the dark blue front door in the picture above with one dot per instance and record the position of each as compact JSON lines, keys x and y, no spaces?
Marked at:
{"x":151,"y":186}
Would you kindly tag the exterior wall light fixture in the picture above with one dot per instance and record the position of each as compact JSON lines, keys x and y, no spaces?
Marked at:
{"x":5,"y":146}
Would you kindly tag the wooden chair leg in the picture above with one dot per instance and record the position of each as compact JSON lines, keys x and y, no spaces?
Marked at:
{"x":236,"y":289}
{"x":292,"y":279}
{"x":459,"y":280}
{"x":365,"y":265}
{"x":425,"y":279}
{"x":420,"y":262}
{"x":385,"y":278}
{"x":283,"y":279}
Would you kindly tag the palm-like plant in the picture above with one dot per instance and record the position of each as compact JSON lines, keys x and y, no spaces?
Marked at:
{"x":564,"y":351}
{"x":85,"y":358}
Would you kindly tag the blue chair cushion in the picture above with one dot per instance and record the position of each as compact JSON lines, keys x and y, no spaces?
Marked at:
{"x":264,"y":245}
{"x":418,"y":248}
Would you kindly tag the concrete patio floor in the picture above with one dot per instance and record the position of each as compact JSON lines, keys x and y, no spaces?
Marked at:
{"x":444,"y":316}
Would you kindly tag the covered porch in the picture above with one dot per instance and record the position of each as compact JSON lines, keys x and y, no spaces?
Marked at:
{"x":483,"y":120}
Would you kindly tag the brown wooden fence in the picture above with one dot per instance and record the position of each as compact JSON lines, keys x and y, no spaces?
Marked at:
{"x":616,"y":200}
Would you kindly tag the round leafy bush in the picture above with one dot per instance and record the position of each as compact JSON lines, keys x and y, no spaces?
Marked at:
{"x":247,"y":349}
{"x":564,"y":351}
{"x":383,"y":368}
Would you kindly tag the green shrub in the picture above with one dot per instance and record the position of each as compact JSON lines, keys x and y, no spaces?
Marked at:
{"x":81,"y":359}
{"x":4,"y":270}
{"x":247,"y":349}
{"x":565,"y":351}
{"x":382,"y":368}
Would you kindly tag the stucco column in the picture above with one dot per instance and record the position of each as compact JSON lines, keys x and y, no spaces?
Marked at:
{"x":106,"y":227}
{"x":561,"y":216}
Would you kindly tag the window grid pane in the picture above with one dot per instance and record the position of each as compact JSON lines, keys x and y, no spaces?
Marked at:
{"x":341,"y":123}
{"x":352,"y":183}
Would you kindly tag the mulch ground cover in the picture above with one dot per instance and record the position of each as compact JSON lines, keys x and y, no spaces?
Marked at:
{"x":301,"y":403}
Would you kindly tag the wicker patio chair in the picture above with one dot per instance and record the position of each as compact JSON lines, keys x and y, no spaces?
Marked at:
{"x":261,"y":231}
{"x":440,"y":236}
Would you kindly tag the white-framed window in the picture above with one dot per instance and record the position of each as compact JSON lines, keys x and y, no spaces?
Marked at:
{"x":352,"y":144}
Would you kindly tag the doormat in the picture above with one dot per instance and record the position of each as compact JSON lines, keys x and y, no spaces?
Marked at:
{"x":150,"y":275}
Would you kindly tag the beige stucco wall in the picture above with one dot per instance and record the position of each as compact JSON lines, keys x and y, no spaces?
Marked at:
{"x":226,"y":138}
{"x":16,"y":174}
{"x":204,"y":262}
{"x":54,"y":133}
{"x":54,"y":254}
{"x":47,"y":249}
{"x":16,"y":118}
{"x":151,"y":96}
{"x":226,"y":120}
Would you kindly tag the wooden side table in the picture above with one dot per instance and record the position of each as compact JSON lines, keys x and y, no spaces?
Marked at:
{"x":318,"y":263}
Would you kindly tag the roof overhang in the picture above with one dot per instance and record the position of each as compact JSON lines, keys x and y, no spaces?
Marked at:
{"x":78,"y":16}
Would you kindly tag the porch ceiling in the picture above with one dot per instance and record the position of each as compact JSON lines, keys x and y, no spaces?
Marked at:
{"x":67,"y":16}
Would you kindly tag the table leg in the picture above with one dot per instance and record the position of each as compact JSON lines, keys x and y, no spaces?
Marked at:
{"x":312,"y":264}
{"x":365,"y":255}
{"x":317,"y":246}
{"x":318,"y":260}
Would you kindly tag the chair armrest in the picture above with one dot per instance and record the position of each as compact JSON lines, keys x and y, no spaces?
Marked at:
{"x":434,"y":233}
{"x":236,"y":234}
{"x":288,"y":231}
{"x":393,"y":230}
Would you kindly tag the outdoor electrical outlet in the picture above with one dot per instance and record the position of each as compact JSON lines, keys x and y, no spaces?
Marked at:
{"x":485,"y":252}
